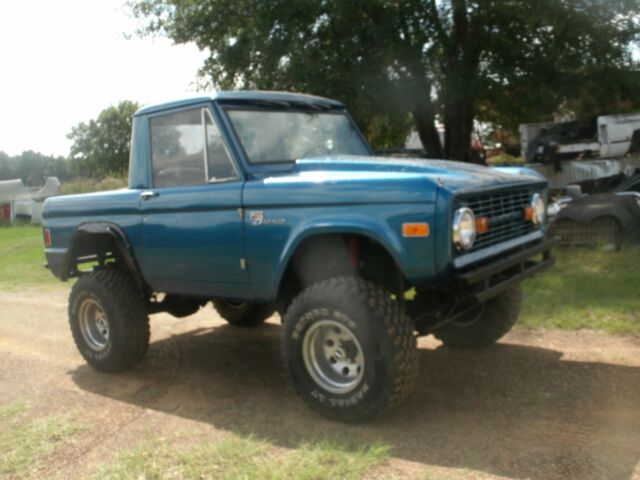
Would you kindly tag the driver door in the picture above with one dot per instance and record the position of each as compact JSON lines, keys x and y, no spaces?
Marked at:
{"x":192,"y":234}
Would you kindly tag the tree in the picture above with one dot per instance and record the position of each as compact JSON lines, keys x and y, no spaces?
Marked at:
{"x":6,"y":167}
{"x":102,"y":146}
{"x":453,"y":59}
{"x":32,"y":167}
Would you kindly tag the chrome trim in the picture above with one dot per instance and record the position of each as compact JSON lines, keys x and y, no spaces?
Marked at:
{"x":203,"y":111}
{"x":224,"y":145}
{"x":457,"y":218}
{"x":147,"y":194}
{"x":534,"y":199}
{"x":470,"y":258}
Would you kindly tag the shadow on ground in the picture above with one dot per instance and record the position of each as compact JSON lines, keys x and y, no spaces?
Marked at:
{"x":512,"y":410}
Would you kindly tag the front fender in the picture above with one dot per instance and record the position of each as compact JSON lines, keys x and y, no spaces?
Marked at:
{"x":414,"y":256}
{"x":359,"y":225}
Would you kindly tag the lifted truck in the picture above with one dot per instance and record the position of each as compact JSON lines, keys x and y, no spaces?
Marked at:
{"x":263,"y":201}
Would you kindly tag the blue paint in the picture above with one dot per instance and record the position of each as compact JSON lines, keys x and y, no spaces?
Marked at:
{"x":190,"y":240}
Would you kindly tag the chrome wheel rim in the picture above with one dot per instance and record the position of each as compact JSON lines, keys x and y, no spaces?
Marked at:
{"x":333,"y":356}
{"x":94,"y":324}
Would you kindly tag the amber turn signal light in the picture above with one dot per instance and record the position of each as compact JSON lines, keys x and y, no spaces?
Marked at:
{"x":528,"y":214}
{"x":415,"y":229}
{"x":482,"y":224}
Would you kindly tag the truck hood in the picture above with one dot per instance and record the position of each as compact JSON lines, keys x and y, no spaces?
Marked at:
{"x":341,"y":180}
{"x":455,"y":177}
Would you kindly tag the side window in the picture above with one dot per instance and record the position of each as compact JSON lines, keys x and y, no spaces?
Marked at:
{"x":220,"y":166}
{"x":177,"y":149}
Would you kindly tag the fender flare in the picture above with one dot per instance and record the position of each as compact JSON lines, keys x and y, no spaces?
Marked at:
{"x":365,"y":227}
{"x":120,"y":241}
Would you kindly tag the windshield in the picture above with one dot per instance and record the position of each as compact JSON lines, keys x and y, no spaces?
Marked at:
{"x":270,"y":136}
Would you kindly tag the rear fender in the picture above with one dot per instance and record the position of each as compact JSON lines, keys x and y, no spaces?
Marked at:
{"x":83,"y":234}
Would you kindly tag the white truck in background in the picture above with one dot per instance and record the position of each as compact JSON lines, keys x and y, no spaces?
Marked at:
{"x":605,"y":137}
{"x":18,"y":200}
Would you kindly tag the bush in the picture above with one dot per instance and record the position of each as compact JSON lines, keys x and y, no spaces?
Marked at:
{"x":86,"y":185}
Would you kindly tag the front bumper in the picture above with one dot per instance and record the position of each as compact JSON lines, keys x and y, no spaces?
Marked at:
{"x":488,"y":281}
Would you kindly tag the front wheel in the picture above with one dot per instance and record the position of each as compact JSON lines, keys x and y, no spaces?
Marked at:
{"x":484,"y":325}
{"x":349,"y":349}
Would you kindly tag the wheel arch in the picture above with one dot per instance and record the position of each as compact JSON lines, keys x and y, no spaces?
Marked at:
{"x":99,"y":241}
{"x":353,"y":243}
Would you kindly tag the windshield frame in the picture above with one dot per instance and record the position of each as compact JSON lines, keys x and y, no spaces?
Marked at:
{"x":281,"y":164}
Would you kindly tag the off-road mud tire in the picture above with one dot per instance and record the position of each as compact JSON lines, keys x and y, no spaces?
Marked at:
{"x":381,"y":327}
{"x":498,"y":316}
{"x":117,"y":294}
{"x":244,"y":314}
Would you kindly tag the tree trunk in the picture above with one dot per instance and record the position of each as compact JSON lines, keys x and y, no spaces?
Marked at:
{"x":458,"y":124}
{"x":461,"y":65}
{"x":424,"y":119}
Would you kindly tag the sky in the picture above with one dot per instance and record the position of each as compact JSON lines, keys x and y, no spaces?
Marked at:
{"x":64,"y":61}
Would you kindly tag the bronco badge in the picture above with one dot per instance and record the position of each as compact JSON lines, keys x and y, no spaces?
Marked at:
{"x":259,"y":218}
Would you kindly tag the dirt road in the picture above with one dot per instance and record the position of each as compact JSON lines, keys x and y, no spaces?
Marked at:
{"x":541,"y":405}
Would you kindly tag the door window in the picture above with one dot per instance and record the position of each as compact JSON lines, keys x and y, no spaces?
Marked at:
{"x":219,"y":164}
{"x":187,"y":149}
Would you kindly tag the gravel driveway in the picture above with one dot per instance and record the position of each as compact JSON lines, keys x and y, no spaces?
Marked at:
{"x":540,"y":405}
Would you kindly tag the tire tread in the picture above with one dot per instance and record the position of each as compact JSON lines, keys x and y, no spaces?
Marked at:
{"x":131,"y":324}
{"x":500,"y":315}
{"x":398,"y":345}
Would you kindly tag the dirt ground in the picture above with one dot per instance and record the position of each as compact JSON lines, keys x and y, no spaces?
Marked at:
{"x":540,"y":405}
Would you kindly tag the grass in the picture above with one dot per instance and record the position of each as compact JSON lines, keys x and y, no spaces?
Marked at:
{"x":586,"y":289}
{"x":24,"y":443}
{"x":22,"y":258}
{"x":243,"y":458}
{"x":10,"y":410}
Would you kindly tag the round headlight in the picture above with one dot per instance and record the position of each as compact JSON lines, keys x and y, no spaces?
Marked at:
{"x":464,"y":228}
{"x":539,"y":209}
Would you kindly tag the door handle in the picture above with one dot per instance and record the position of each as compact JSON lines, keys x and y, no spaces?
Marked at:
{"x":148,"y":194}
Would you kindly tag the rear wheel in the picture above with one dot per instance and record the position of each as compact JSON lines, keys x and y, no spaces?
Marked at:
{"x":349,"y":349}
{"x":243,"y":314}
{"x":108,"y":320}
{"x":484,"y":325}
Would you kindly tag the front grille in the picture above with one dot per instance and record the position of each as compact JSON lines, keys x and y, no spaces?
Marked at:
{"x":506,"y":216}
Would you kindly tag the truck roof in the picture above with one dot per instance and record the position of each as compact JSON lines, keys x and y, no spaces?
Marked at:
{"x":243,"y":96}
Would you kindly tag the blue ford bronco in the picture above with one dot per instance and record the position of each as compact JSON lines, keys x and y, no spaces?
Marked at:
{"x":261,"y":202}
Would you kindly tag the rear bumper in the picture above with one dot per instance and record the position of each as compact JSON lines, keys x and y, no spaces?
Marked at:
{"x":56,"y":260}
{"x":490,"y":280}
